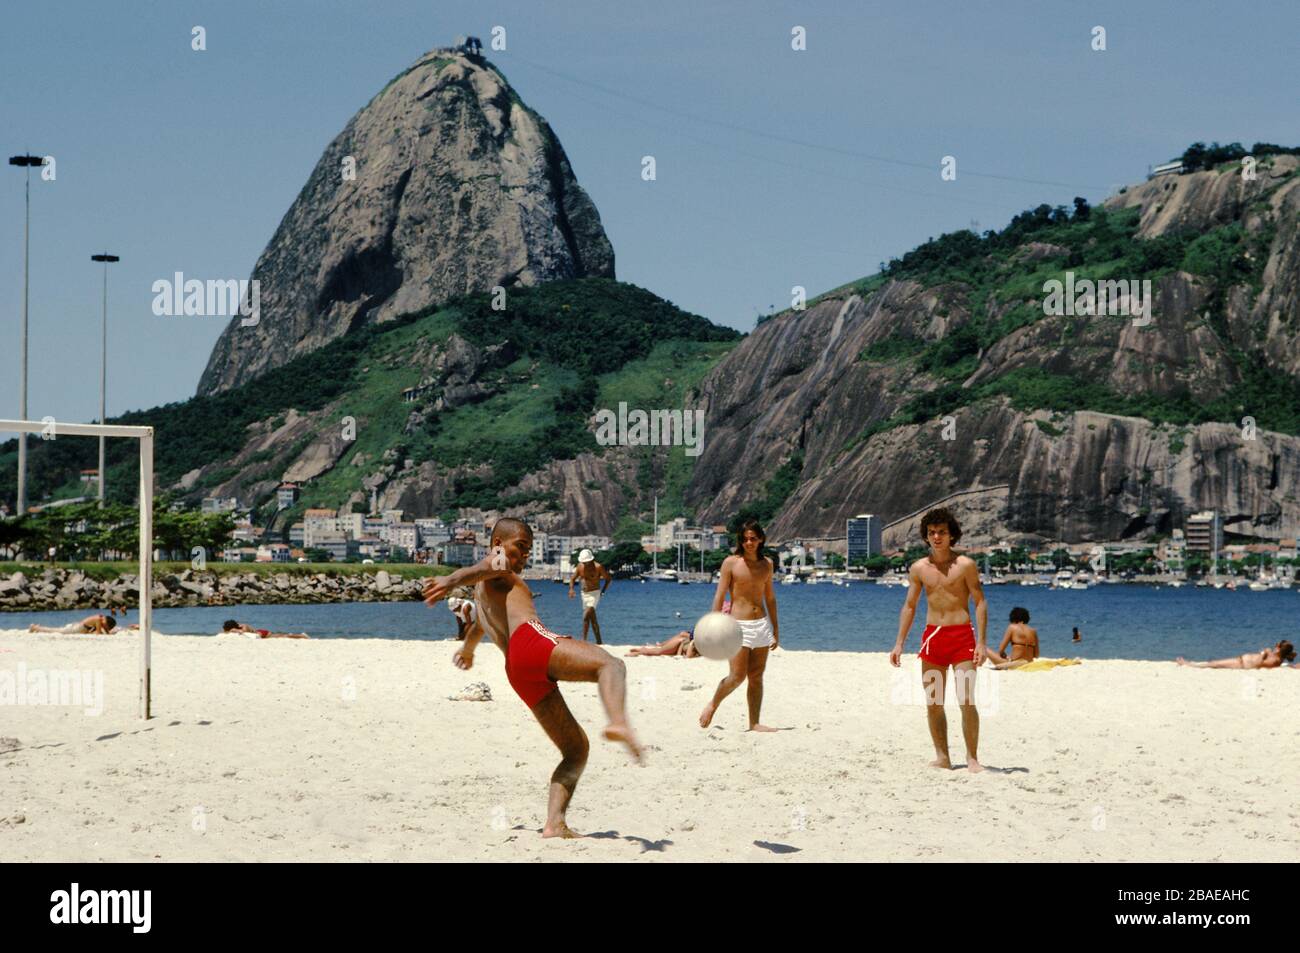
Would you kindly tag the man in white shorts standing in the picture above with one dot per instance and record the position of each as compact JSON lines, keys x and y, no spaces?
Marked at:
{"x":747,"y":579}
{"x":595,"y":580}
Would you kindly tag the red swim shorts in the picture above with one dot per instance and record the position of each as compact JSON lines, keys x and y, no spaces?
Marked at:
{"x":527,"y":658}
{"x":946,"y":645}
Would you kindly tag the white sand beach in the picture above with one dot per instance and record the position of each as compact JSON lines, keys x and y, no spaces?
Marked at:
{"x":351,"y":750}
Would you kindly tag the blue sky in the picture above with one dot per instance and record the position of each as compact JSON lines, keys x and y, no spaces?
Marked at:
{"x":775,"y":167}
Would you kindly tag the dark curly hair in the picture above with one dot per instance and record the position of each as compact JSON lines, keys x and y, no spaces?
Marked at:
{"x":940,"y":515}
{"x":1286,"y":650}
{"x":1019,"y":615}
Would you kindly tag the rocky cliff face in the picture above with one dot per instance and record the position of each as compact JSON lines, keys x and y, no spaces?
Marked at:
{"x":458,"y":187}
{"x":828,"y":386}
{"x":802,"y":384}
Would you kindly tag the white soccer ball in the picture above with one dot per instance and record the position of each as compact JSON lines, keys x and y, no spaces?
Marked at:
{"x":717,"y":636}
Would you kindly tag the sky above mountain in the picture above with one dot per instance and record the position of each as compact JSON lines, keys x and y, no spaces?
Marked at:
{"x":774,"y":167}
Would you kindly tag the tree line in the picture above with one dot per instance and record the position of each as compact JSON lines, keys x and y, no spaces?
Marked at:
{"x":84,"y":532}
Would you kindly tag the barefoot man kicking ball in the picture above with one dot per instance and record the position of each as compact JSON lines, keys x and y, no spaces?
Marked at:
{"x":747,"y":579}
{"x":536,"y":659}
{"x":595,"y":580}
{"x":950,"y":582}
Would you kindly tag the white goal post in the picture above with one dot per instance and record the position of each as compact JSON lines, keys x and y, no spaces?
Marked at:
{"x":53,"y":428}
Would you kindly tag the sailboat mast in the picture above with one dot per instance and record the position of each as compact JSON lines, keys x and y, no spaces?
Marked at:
{"x":654,"y":553}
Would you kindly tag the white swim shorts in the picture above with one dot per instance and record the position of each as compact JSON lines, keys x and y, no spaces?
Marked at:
{"x":757,"y":633}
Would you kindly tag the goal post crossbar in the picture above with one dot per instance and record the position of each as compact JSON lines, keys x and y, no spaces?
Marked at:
{"x":56,"y":428}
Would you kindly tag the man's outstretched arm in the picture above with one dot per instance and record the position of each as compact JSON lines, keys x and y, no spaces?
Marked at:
{"x":439,"y":587}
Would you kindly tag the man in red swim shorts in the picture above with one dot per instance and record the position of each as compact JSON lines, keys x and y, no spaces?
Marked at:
{"x":537,"y":660}
{"x":950,"y":582}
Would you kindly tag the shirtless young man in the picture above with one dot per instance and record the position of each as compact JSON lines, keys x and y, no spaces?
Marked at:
{"x":1022,"y":638}
{"x":595,"y":580}
{"x":536,"y":659}
{"x":950,"y":582}
{"x":1284,"y":651}
{"x":747,"y":579}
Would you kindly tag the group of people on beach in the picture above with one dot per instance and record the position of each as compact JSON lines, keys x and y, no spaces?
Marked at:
{"x":100,"y":624}
{"x":501,"y":606}
{"x":491,"y":598}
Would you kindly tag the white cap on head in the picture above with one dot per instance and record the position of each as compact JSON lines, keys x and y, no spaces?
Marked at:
{"x":585,"y":556}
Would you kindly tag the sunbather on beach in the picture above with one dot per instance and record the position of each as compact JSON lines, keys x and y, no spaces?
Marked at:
{"x":90,"y":625}
{"x":1022,"y":639}
{"x":683,"y":644}
{"x":1284,"y":651}
{"x":537,"y":660}
{"x":232,"y":626}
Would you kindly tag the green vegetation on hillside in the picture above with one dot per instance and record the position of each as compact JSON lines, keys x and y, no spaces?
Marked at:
{"x":1199,"y":156}
{"x":1004,"y":291}
{"x":82,"y":530}
{"x":1271,"y":399}
{"x":596,"y":342}
{"x":777,"y":490}
{"x":558,"y":351}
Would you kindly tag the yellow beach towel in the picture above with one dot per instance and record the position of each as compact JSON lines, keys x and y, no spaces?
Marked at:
{"x":1043,"y":664}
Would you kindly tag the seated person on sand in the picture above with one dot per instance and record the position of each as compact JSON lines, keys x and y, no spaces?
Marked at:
{"x":462,"y":606}
{"x":683,"y":644}
{"x":1284,"y":651}
{"x":231,"y":626}
{"x":1023,"y":641}
{"x":90,"y":625}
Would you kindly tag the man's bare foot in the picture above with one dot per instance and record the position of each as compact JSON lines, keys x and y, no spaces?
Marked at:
{"x":973,"y":766}
{"x":561,"y":830}
{"x":623,"y":734}
{"x":941,"y":763}
{"x":32,"y":627}
{"x":706,"y":716}
{"x":761,"y":728}
{"x":1180,"y":660}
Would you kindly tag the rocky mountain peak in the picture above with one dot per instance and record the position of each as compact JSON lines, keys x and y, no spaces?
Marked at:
{"x":444,"y":183}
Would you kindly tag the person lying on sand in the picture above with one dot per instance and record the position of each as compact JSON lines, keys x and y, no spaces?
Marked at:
{"x":1022,"y":639}
{"x":683,"y":644}
{"x":1284,"y":651}
{"x":90,"y":625}
{"x":230,"y":625}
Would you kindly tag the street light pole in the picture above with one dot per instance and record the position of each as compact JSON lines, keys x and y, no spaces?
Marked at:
{"x":27,"y":162}
{"x":103,"y":368}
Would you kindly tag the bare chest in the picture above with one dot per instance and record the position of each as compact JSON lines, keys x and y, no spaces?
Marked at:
{"x":946,"y":580}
